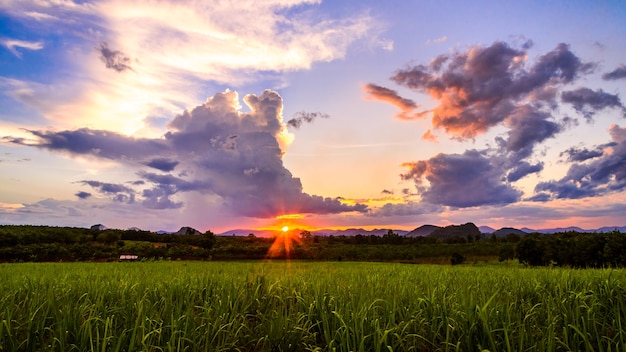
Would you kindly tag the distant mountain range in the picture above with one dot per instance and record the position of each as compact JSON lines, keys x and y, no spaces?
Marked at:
{"x":424,"y":230}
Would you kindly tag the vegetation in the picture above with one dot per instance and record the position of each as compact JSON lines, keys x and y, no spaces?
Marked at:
{"x":449,"y":245}
{"x":308,"y":306}
{"x":595,"y":250}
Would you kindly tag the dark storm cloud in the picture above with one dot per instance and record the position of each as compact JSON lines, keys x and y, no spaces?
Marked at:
{"x":588,"y":102}
{"x":597,"y":176}
{"x":113,"y":59}
{"x":461,"y":180}
{"x":219,"y":150}
{"x":407,"y":106}
{"x":618,"y":73}
{"x":482,"y":87}
{"x":303,"y":116}
{"x":83,"y":195}
{"x":162,"y":164}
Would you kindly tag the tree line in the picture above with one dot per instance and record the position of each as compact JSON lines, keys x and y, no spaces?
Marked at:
{"x":460,"y":244}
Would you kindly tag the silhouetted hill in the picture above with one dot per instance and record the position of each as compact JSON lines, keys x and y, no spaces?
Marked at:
{"x":356,"y":231}
{"x":508,"y":230}
{"x":556,"y":229}
{"x":454,"y":231}
{"x":186,"y":230}
{"x":423,"y":231}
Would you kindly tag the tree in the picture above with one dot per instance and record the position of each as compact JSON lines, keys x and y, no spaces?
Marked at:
{"x":457,"y":258}
{"x":530,"y":251}
{"x":207,"y":240}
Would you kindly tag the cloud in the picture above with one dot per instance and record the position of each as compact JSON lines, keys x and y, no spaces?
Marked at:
{"x":303,"y":116}
{"x":83,"y":195}
{"x":596,"y":176}
{"x":482,"y":87}
{"x":117,"y":192}
{"x":113,"y":59}
{"x":528,"y":127}
{"x":162,"y":164}
{"x":498,"y":86}
{"x":405,"y":209}
{"x":219,"y":150}
{"x":429,"y":136}
{"x":437,"y":40}
{"x":376,"y":92}
{"x":13,"y":44}
{"x":461,"y":180}
{"x":523,"y":169}
{"x":588,"y":102}
{"x":177,"y":50}
{"x":618,"y":73}
{"x":582,"y":154}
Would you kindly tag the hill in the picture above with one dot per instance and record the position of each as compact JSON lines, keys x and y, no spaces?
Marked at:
{"x":468,"y":230}
{"x":508,"y":230}
{"x":423,"y":231}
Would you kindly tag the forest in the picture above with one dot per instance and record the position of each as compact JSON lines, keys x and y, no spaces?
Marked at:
{"x":451,"y":245}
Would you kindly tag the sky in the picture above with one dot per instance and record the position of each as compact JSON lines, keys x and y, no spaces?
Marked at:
{"x":225,"y":115}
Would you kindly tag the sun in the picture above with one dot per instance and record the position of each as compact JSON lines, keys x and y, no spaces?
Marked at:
{"x":285,"y":228}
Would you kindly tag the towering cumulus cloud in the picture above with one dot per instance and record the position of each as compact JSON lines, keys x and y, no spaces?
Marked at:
{"x":213,"y":148}
{"x":497,"y":86}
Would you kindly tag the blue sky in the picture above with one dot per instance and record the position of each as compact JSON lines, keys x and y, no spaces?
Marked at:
{"x":159,"y":114}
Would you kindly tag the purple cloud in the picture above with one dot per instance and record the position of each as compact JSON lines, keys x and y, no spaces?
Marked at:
{"x":618,"y":73}
{"x":218,"y":150}
{"x":162,"y":164}
{"x":588,"y":102}
{"x":83,"y":195}
{"x":113,"y":59}
{"x":600,"y":175}
{"x":484,"y":86}
{"x":461,"y":180}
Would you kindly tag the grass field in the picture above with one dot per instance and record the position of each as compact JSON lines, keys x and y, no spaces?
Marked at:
{"x":308,"y":306}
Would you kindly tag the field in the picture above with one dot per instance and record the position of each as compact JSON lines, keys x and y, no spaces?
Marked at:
{"x":308,"y":306}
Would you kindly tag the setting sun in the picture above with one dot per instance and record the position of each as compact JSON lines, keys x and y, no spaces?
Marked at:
{"x":285,"y":228}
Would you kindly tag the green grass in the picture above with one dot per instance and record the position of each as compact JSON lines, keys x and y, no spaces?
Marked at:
{"x":308,"y":306}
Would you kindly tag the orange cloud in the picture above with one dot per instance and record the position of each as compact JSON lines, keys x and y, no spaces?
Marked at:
{"x":407,"y":106}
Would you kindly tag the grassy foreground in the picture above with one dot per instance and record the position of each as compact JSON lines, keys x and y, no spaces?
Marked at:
{"x":308,"y":306}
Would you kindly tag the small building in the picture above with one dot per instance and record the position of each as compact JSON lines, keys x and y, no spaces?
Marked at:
{"x":128,"y":257}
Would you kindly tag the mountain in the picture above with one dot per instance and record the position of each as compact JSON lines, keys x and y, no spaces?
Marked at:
{"x":246,"y":232}
{"x":576,"y":229}
{"x":356,"y":231}
{"x":186,"y":230}
{"x":612,"y":228}
{"x":556,"y":229}
{"x":453,"y":231}
{"x":322,"y":232}
{"x":486,"y":229}
{"x":423,"y":231}
{"x":509,"y":230}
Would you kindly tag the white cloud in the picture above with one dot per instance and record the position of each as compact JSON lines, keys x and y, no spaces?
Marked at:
{"x":13,"y":44}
